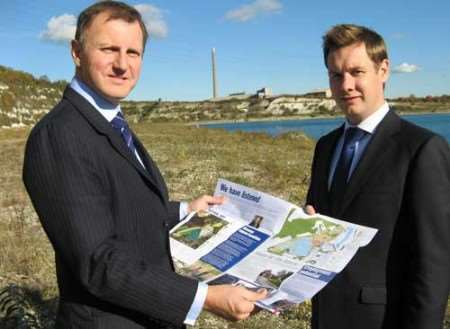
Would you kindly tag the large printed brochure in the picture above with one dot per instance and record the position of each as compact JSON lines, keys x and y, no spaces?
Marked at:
{"x":257,"y":240}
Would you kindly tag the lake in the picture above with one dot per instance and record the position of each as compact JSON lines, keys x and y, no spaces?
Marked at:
{"x":315,"y":128}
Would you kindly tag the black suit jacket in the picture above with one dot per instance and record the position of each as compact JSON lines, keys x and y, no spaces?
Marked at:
{"x":401,"y":186}
{"x":108,"y":219}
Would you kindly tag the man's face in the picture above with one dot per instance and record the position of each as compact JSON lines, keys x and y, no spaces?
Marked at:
{"x":109,"y":61}
{"x":356,"y":82}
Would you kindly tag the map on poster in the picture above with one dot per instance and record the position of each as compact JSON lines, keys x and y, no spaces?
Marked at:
{"x":257,"y":240}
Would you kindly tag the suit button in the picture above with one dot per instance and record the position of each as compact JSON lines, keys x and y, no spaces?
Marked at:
{"x":166,"y":225}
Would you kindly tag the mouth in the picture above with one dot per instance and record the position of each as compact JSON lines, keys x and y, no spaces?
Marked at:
{"x":118,"y":78}
{"x":350,"y":99}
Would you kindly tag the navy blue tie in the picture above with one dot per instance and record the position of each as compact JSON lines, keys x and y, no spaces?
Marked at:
{"x":121,"y":126}
{"x":341,"y":174}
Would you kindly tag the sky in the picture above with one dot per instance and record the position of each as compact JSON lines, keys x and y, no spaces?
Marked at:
{"x":259,"y":43}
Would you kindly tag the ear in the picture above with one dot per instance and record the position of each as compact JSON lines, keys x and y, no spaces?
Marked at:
{"x":76,"y":52}
{"x":384,"y":70}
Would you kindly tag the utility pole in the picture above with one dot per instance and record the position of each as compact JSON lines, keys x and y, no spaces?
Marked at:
{"x":214,"y":78}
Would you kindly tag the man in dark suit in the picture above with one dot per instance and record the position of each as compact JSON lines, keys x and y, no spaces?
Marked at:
{"x":384,"y":172}
{"x":103,"y":202}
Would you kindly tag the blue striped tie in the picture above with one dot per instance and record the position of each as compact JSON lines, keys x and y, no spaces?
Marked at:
{"x":121,"y":126}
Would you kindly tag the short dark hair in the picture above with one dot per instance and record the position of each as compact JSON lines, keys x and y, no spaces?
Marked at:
{"x":344,"y":35}
{"x":116,"y":10}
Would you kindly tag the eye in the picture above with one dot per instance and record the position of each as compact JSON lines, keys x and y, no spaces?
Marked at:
{"x":334,"y":75}
{"x":133,"y":53}
{"x":358,"y":72}
{"x":107,"y":50}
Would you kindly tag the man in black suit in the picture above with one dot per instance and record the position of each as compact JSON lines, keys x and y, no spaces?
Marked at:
{"x":381,"y":171}
{"x":103,"y":202}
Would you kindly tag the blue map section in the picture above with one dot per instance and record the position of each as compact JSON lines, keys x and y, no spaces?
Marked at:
{"x":235,"y":248}
{"x":302,"y":247}
{"x":344,"y":238}
{"x":317,"y":273}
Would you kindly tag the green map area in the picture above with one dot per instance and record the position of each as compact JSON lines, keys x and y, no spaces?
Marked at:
{"x":300,"y":236}
{"x":298,"y":226}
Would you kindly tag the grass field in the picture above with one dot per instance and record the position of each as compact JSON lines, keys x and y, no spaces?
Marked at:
{"x":191,"y":160}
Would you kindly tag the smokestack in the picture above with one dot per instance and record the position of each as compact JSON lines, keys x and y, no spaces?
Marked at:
{"x":213,"y":62}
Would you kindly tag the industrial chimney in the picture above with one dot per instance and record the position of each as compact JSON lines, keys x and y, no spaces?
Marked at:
{"x":214,"y":78}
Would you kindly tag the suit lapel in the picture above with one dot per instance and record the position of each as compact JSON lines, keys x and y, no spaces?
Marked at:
{"x":373,"y":157}
{"x":151,"y":166}
{"x":97,"y":121}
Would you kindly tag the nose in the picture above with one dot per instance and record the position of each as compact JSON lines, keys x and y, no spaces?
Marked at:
{"x":348,"y":82}
{"x":120,"y":63}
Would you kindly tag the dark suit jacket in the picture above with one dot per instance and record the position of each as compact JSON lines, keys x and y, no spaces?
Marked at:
{"x":108,"y":219}
{"x":401,"y":186}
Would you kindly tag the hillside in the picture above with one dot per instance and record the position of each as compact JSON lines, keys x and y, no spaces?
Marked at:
{"x":24,"y":98}
{"x":242,"y":108}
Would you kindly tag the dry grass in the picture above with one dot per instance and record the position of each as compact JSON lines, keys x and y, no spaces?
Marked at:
{"x":191,"y":160}
{"x":27,"y":275}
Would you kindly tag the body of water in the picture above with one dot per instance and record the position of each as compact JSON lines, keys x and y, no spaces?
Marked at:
{"x":315,"y":128}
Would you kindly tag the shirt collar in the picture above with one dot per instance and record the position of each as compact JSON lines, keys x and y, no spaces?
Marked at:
{"x":370,"y":123}
{"x":106,"y":108}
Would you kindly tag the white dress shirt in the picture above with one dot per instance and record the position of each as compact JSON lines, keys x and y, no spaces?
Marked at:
{"x":368,"y":125}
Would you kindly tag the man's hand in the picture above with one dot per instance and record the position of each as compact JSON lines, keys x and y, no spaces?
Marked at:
{"x":203,"y":202}
{"x":232,"y":302}
{"x":310,"y":210}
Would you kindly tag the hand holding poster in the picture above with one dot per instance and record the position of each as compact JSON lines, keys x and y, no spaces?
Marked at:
{"x":257,"y":240}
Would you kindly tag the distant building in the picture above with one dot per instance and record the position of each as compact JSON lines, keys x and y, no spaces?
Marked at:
{"x":241,"y":93}
{"x":320,"y":93}
{"x":263,"y":92}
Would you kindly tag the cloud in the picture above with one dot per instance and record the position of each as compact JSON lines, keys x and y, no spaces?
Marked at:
{"x":154,"y":20}
{"x":60,"y":29}
{"x":252,"y":10}
{"x":405,"y":68}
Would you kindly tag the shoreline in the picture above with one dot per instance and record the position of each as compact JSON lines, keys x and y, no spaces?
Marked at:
{"x":299,"y":118}
{"x":286,"y":118}
{"x":206,"y":123}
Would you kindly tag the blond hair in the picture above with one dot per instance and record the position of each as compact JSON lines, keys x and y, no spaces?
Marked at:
{"x":344,"y":35}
